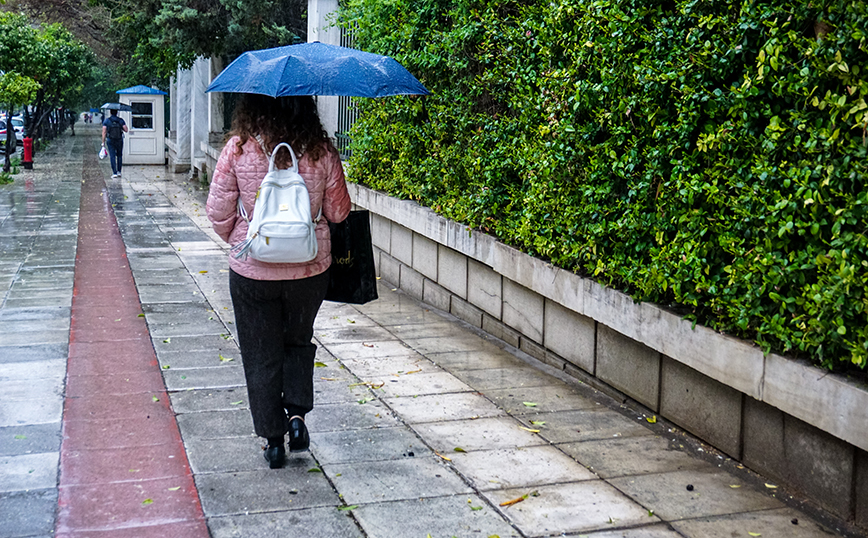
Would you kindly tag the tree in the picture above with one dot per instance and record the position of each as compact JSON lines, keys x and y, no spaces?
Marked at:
{"x":15,"y":90}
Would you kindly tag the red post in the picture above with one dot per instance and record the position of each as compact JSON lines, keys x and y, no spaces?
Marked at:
{"x":28,"y":153}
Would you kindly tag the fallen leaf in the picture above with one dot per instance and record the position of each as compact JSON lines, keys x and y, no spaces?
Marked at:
{"x":140,"y":316}
{"x":176,"y":488}
{"x":771,"y":486}
{"x":476,"y":508}
{"x":329,"y":378}
{"x":734,"y":486}
{"x":353,"y":507}
{"x":513,"y":501}
{"x":21,"y":437}
{"x":166,"y":367}
{"x":314,"y":470}
{"x":225,"y":359}
{"x":459,"y":449}
{"x":351,"y":321}
{"x":538,"y":422}
{"x":239,"y":402}
{"x":442,"y":456}
{"x":755,"y":533}
{"x":367,"y":345}
{"x":167,"y":341}
{"x":155,"y":398}
{"x":202,"y":272}
{"x":413,"y":372}
{"x":529,"y":430}
{"x":148,"y":501}
{"x":529,"y":404}
{"x":651,"y":420}
{"x":320,"y":365}
{"x":365,"y":400}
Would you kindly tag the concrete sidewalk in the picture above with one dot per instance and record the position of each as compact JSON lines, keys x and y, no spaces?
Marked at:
{"x":422,"y":426}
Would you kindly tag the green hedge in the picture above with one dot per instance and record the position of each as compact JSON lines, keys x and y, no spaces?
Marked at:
{"x":709,"y":156}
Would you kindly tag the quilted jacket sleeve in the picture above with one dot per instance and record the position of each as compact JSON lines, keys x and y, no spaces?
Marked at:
{"x":222,"y":205}
{"x":336,"y":200}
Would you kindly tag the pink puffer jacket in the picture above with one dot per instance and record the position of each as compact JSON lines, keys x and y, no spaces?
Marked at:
{"x":243,"y":173}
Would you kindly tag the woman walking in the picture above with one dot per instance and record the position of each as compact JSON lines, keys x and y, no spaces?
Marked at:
{"x":276,"y":303}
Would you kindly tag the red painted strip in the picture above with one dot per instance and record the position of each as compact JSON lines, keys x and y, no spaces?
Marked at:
{"x":123,"y":468}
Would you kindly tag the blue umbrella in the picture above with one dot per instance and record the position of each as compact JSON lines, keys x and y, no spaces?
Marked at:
{"x":118,"y":106}
{"x":316,"y":69}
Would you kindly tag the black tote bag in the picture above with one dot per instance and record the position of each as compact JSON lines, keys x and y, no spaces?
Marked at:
{"x":352,"y":277}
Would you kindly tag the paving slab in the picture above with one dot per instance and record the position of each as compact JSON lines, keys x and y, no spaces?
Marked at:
{"x":570,"y":508}
{"x":469,"y":515}
{"x":505,"y":378}
{"x":407,"y":478}
{"x":304,"y":523}
{"x":28,"y":471}
{"x":44,"y":411}
{"x":442,"y":344}
{"x":518,"y":467}
{"x":202,"y":358}
{"x":352,"y":446}
{"x":421,"y":383}
{"x":350,"y":416}
{"x":628,"y":456}
{"x":360,"y":333}
{"x":653,"y":531}
{"x":440,"y":407}
{"x":438,"y":329}
{"x":192,"y":401}
{"x":771,"y":523}
{"x":477,"y":434}
{"x":360,"y":350}
{"x":386,"y":367}
{"x":266,"y":490}
{"x":599,"y":423}
{"x":474,"y":360}
{"x":553,"y":397}
{"x":28,"y":513}
{"x":216,"y":424}
{"x":33,"y":352}
{"x":712,"y":492}
{"x":29,"y":439}
{"x":204,"y":378}
{"x":226,"y":455}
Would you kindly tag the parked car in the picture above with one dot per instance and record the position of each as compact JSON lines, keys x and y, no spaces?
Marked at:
{"x":18,"y":125}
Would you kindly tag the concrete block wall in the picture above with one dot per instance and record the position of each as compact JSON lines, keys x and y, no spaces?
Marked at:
{"x":794,"y":423}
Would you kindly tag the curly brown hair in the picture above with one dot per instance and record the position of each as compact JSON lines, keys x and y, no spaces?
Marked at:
{"x":283,"y":119}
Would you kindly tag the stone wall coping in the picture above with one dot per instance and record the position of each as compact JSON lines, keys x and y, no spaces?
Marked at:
{"x":825,"y":400}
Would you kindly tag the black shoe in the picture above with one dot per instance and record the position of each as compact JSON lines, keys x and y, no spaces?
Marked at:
{"x":276,"y":456}
{"x":299,"y":440}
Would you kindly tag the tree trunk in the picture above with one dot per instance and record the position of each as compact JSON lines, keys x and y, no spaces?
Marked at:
{"x":10,"y":140}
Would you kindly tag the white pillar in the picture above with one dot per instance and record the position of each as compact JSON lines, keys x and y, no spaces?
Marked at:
{"x":199,"y":111}
{"x":319,"y":29}
{"x":181,"y":118}
{"x":215,"y":100}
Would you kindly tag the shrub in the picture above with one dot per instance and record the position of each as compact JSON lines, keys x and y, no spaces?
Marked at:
{"x":705,"y":155}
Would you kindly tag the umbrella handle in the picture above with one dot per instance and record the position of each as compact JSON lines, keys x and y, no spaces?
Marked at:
{"x":271,"y":166}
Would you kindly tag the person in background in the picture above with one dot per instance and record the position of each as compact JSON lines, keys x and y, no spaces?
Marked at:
{"x":276,"y":303}
{"x":113,"y":129}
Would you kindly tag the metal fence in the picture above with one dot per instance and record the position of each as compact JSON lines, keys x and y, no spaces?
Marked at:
{"x":347,"y":111}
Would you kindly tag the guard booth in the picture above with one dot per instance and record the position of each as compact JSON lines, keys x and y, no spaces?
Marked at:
{"x":146,"y":140}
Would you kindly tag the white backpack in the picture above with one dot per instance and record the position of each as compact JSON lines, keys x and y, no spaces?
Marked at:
{"x":282,"y":230}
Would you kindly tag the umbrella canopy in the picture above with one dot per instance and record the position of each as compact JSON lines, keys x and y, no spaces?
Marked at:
{"x":117,"y":106}
{"x":316,"y":69}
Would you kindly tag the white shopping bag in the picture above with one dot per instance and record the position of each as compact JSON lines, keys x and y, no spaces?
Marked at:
{"x":103,"y":153}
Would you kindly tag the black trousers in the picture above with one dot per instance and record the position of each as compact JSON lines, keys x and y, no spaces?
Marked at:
{"x":275,"y":328}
